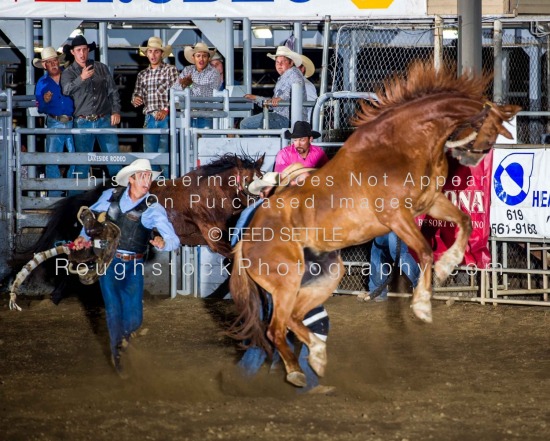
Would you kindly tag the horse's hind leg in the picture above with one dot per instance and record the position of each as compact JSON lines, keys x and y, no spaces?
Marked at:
{"x":310,"y":297}
{"x":277,"y":334}
{"x":403,"y":225}
{"x":443,"y":209}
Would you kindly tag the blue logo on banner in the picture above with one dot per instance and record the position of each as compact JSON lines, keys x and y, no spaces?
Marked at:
{"x":512,"y":177}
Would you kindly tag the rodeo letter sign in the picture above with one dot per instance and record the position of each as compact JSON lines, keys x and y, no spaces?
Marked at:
{"x":520,"y":193}
{"x":179,"y":9}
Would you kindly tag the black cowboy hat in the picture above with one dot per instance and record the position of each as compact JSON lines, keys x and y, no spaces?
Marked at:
{"x":79,"y":40}
{"x":302,"y":129}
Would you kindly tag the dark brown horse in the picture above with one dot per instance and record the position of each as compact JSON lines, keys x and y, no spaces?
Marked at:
{"x":204,"y":203}
{"x":391,"y":169}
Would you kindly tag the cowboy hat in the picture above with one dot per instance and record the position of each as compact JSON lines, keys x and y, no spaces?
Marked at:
{"x":270,"y":179}
{"x":283,"y":51}
{"x":189,"y":51}
{"x":156,"y":43}
{"x":79,"y":40}
{"x":308,"y":64}
{"x":302,"y":129}
{"x":139,"y":165}
{"x":48,"y":53}
{"x":216,"y":56}
{"x":292,"y":172}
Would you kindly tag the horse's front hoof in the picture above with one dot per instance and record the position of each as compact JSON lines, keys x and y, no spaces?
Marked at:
{"x":297,"y":379}
{"x":423,"y":310}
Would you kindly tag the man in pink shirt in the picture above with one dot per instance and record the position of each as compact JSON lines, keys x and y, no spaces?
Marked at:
{"x":301,"y":149}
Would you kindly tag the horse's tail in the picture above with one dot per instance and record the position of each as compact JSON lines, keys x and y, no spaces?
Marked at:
{"x":63,"y":224}
{"x":29,"y":267}
{"x":248,"y":327}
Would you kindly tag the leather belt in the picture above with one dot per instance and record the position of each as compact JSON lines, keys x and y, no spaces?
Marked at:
{"x":61,"y":118}
{"x":127,"y":257}
{"x":92,"y":118}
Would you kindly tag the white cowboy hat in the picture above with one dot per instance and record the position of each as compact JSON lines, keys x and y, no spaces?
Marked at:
{"x":139,"y":165}
{"x":156,"y":43}
{"x":189,"y":51}
{"x":48,"y":53}
{"x":308,"y":64}
{"x":270,"y":179}
{"x":283,"y":51}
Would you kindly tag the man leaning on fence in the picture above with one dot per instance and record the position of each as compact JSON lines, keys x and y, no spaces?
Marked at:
{"x":96,"y":100}
{"x":57,"y":107}
{"x":286,"y":64}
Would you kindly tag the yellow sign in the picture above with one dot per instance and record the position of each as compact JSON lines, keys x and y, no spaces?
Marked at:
{"x":372,"y":4}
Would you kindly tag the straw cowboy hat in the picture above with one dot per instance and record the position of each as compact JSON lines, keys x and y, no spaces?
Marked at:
{"x":283,"y":51}
{"x":302,"y":129}
{"x":270,"y":179}
{"x":216,"y":56}
{"x":156,"y":43}
{"x":48,"y":53}
{"x":308,"y":64}
{"x":139,"y":165}
{"x":292,"y":172}
{"x":189,"y":51}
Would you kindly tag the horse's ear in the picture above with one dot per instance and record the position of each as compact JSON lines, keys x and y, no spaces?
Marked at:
{"x":260,"y":161}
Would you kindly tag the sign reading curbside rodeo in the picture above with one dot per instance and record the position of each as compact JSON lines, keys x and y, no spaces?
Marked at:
{"x":188,"y":9}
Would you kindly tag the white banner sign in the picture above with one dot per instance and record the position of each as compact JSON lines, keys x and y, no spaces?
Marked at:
{"x":520,"y":193}
{"x":189,"y":9}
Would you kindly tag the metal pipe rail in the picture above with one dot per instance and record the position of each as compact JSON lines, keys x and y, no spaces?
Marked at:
{"x":316,"y":116}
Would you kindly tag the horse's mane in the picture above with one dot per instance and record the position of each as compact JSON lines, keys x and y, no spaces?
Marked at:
{"x":225,"y":162}
{"x":421,"y":80}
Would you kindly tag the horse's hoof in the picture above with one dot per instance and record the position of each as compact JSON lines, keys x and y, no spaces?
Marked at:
{"x":318,"y":367}
{"x":297,"y":379}
{"x":423,"y":310}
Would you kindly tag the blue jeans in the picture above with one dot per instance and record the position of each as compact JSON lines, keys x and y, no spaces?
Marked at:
{"x":156,"y":143}
{"x":276,"y":121}
{"x":202,"y":123}
{"x":383,"y":251}
{"x":254,"y":357}
{"x":122,"y":289}
{"x":85,"y":143}
{"x":56,"y":144}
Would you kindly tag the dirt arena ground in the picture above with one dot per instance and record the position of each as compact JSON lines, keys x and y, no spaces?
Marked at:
{"x":477,"y":373}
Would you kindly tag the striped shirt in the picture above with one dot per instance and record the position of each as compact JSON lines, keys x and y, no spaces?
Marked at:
{"x":153,"y":86}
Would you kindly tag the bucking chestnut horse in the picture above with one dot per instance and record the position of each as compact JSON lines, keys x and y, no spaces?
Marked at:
{"x":390,"y":170}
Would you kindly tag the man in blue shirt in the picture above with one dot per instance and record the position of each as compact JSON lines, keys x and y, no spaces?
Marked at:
{"x":137,"y":213}
{"x":58,"y":108}
{"x":286,"y":64}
